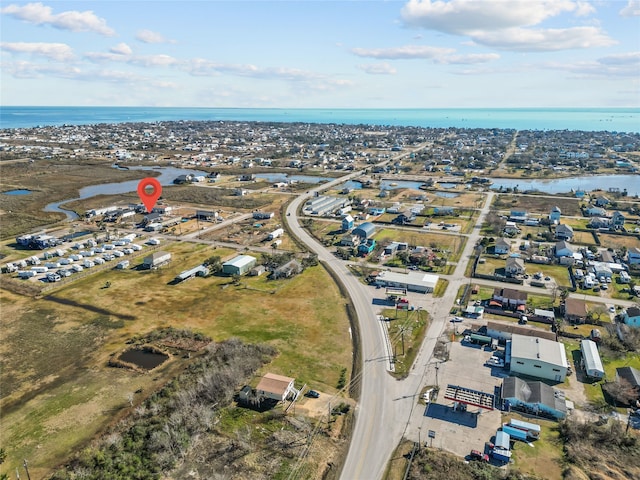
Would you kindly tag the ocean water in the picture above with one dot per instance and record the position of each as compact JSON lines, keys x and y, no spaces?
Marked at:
{"x":586,"y":119}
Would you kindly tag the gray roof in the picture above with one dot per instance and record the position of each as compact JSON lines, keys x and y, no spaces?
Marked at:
{"x":538,"y":349}
{"x":532,"y":392}
{"x":630,"y":374}
{"x":365,"y":229}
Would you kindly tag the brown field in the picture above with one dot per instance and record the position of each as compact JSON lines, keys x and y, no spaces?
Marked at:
{"x":585,"y":238}
{"x":57,"y":389}
{"x":538,"y":204}
{"x":618,"y":241}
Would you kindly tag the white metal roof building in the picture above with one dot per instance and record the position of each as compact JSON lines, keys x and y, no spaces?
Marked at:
{"x":239,"y":265}
{"x":591,"y":359}
{"x":413,"y":281}
{"x":538,"y":357}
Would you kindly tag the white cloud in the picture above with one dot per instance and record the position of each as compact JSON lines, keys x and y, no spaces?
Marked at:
{"x":469,"y":59}
{"x":121,"y":49}
{"x":72,"y":20}
{"x":405,"y":52}
{"x":378,"y":69}
{"x":119,"y":55}
{"x":622,"y":65}
{"x":59,"y":52}
{"x":632,"y":9}
{"x":541,"y":40}
{"x":147,"y":36}
{"x":506,"y":24}
{"x":630,"y":58}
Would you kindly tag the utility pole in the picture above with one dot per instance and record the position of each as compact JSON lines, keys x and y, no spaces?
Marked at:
{"x":26,"y":469}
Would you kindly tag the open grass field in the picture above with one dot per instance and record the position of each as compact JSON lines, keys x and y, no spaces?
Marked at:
{"x":583,"y":238}
{"x":537,"y":204}
{"x":544,"y":459}
{"x":618,"y":241}
{"x":452,"y":243}
{"x":57,"y":389}
{"x":593,"y":390}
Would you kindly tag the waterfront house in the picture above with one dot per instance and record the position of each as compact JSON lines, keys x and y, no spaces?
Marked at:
{"x":617,"y":220}
{"x":595,"y":212}
{"x":555,"y":214}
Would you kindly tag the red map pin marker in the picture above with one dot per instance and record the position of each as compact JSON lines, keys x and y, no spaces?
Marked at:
{"x":149,"y":199}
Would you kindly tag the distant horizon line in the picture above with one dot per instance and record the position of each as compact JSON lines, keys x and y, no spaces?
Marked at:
{"x":327,"y":108}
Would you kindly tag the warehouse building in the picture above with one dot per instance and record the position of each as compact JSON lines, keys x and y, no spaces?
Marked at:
{"x":535,"y":397}
{"x":537,"y":357}
{"x":413,"y":281}
{"x":156,"y":260}
{"x":239,"y":265}
{"x":364,"y":230}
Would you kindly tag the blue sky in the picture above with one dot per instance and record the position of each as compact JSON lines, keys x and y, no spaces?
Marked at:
{"x":324,"y":54}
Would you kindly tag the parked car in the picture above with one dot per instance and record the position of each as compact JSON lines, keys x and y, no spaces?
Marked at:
{"x":312,"y":394}
{"x":478,"y":455}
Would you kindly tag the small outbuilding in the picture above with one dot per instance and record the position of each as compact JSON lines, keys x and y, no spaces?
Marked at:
{"x":591,"y":359}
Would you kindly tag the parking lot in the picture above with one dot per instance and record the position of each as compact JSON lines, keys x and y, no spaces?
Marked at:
{"x":457,"y":431}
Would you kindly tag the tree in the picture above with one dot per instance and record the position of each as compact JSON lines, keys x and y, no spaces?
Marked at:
{"x":621,"y":391}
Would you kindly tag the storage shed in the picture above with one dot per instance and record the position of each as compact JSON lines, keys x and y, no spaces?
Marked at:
{"x":156,"y":259}
{"x":591,"y":359}
{"x":239,"y":265}
{"x":365,"y":230}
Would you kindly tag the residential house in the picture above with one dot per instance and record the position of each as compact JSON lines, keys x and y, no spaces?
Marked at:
{"x":502,"y":247}
{"x":575,"y":310}
{"x":514,"y":266}
{"x":518,"y":216}
{"x":508,"y":297}
{"x":275,"y":387}
{"x":288,"y":270}
{"x":631,"y":316}
{"x":511,"y":228}
{"x":367,"y":247}
{"x":563,"y":249}
{"x":350,"y":240}
{"x":595,"y":212}
{"x":554,"y":215}
{"x":617,"y":220}
{"x":347,"y":223}
{"x":602,"y":201}
{"x":633,"y":256}
{"x":602,"y":269}
{"x":405,"y":217}
{"x":564,"y":232}
{"x":599,"y":222}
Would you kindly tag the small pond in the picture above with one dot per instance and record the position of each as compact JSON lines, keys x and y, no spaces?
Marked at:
{"x":447,"y":185}
{"x":144,"y":358}
{"x":20,"y":191}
